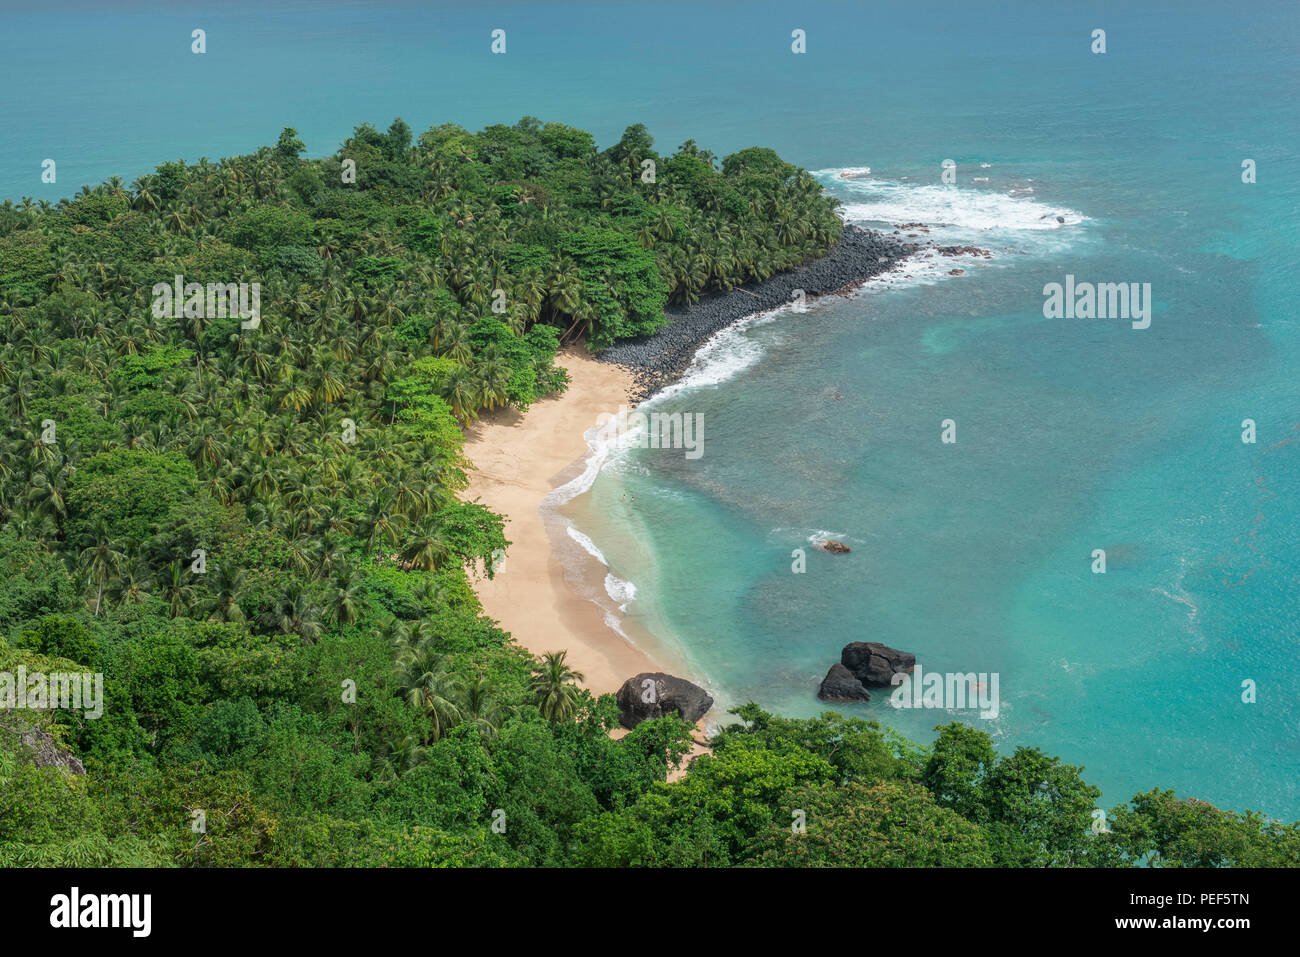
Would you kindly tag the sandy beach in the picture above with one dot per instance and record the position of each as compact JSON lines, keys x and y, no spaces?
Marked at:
{"x":519,"y":459}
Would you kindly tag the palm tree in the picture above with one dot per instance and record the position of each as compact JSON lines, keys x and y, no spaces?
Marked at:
{"x":177,"y":591}
{"x":47,"y":490}
{"x":429,"y":687}
{"x":380,"y":524}
{"x":427,"y":548}
{"x":303,"y":553}
{"x":296,"y":613}
{"x":460,"y":393}
{"x":295,"y":393}
{"x":135,"y":584}
{"x":144,"y":196}
{"x":454,"y":342}
{"x":480,"y":707}
{"x":584,"y":315}
{"x":555,"y":686}
{"x":102,"y":562}
{"x":565,"y":290}
{"x":344,"y":596}
{"x":229,"y":588}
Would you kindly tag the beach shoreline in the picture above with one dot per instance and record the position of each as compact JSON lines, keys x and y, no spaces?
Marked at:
{"x":537,"y":593}
{"x":519,"y":460}
{"x":547,"y":592}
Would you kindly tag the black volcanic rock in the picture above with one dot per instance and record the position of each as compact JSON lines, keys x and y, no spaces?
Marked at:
{"x":659,"y":359}
{"x":875,"y":664}
{"x":655,"y":694}
{"x":841,"y":685}
{"x":963,"y":251}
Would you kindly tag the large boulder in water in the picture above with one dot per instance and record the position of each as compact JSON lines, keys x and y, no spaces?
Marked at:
{"x":840,"y":684}
{"x":655,"y":694}
{"x":875,"y":664}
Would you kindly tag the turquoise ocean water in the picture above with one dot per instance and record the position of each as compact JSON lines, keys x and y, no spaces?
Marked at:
{"x":1072,"y":435}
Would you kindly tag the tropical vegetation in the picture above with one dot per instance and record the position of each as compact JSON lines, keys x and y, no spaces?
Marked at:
{"x":257,"y":533}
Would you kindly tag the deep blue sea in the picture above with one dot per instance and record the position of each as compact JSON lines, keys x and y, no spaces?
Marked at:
{"x":1071,"y":434}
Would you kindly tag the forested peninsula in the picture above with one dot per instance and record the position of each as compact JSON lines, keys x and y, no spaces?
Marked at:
{"x":252,"y":522}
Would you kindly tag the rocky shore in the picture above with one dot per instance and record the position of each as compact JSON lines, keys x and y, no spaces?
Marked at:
{"x":659,"y":359}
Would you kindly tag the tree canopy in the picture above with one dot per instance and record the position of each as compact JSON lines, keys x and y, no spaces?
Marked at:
{"x":255,"y":531}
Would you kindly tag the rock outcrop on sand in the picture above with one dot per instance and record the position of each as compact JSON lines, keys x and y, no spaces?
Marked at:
{"x":655,"y":694}
{"x":840,"y":684}
{"x":875,"y":664}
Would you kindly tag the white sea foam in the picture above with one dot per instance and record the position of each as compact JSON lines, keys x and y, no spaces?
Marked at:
{"x":978,"y":211}
{"x":883,"y":201}
{"x":955,"y":215}
{"x":587,"y":544}
{"x":723,"y":355}
{"x":921,"y":269}
{"x":821,"y":535}
{"x":621,"y":591}
{"x":616,"y":624}
{"x":783,"y":534}
{"x":601,"y":444}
